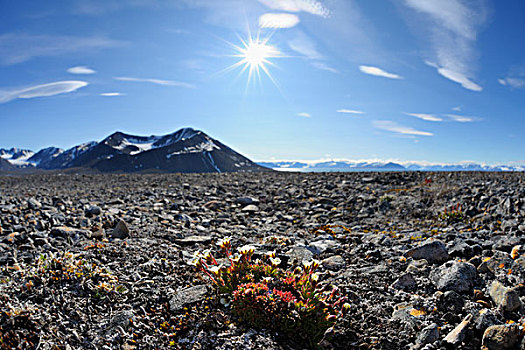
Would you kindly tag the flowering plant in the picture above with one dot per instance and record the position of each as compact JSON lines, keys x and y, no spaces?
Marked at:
{"x":265,"y":296}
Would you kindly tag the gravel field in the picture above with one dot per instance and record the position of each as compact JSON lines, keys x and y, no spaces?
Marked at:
{"x":424,"y":260}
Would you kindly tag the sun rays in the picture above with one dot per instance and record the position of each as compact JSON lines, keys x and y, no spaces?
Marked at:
{"x":255,"y":54}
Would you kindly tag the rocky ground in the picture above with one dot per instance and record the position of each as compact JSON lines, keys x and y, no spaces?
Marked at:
{"x":426,"y":260}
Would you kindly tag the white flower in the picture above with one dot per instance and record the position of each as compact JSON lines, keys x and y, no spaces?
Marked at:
{"x":246,"y":250}
{"x":275,"y":261}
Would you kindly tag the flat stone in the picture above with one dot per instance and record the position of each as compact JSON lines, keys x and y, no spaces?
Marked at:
{"x":187,"y":296}
{"x":405,"y":282}
{"x":456,"y":336}
{"x":247,"y":200}
{"x":334,"y":263}
{"x":501,"y":337}
{"x":69,"y":233}
{"x":194,"y":240}
{"x":433,"y":252}
{"x":250,"y":208}
{"x":456,"y":276}
{"x":506,"y":298}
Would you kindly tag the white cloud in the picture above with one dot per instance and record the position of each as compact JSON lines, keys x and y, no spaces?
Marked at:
{"x":304,"y":114}
{"x":350,"y":111}
{"x":157,"y":81}
{"x":457,"y":108}
{"x":461,"y":118}
{"x":18,"y":48}
{"x":278,"y":20}
{"x":512,"y":82}
{"x":378,"y":72}
{"x":452,"y":27}
{"x":459,"y":78}
{"x":311,"y":6}
{"x":112,"y":94}
{"x":425,"y":116}
{"x":81,"y":70}
{"x":50,"y":89}
{"x":399,"y":129}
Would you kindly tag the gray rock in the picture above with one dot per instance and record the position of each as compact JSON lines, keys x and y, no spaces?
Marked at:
{"x":506,"y":298}
{"x":298,"y":254}
{"x":433,"y":252}
{"x":453,"y":275}
{"x":502,"y":337}
{"x":334,"y":263}
{"x":93,"y":210}
{"x":34,"y":204}
{"x":187,"y":296}
{"x":121,"y":230}
{"x":405,"y":282}
{"x":247,"y":200}
{"x":485,"y":319}
{"x":428,"y":335}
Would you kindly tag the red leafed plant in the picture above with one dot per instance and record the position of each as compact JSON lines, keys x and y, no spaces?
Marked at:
{"x":263,"y":295}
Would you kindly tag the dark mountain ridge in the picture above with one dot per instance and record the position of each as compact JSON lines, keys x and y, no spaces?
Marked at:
{"x":186,"y":150}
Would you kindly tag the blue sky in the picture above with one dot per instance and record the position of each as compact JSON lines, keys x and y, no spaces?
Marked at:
{"x":406,"y":80}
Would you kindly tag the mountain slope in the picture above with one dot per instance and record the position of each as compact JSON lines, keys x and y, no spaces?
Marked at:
{"x":186,"y":150}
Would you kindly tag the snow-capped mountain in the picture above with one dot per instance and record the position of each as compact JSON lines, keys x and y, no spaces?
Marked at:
{"x":186,"y":150}
{"x":44,"y":156}
{"x":16,"y":156}
{"x":348,"y":165}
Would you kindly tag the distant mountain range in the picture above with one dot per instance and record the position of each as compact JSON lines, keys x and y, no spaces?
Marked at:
{"x":186,"y":150}
{"x":347,"y":165}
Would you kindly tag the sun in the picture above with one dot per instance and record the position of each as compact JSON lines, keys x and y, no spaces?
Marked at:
{"x":255,"y":56}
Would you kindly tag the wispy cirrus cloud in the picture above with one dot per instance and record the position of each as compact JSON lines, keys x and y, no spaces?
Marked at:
{"x":17,"y":48}
{"x":43,"y":90}
{"x":306,"y":47}
{"x":304,"y":115}
{"x":311,"y":6}
{"x":81,"y":70}
{"x":426,"y":116}
{"x":112,"y":94}
{"x":391,"y":126}
{"x":378,"y":72}
{"x":157,"y":81}
{"x":516,"y":83}
{"x":461,"y":118}
{"x":350,"y":111}
{"x":452,"y":27}
{"x":278,"y":20}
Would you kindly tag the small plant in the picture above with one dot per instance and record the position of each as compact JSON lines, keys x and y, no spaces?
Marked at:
{"x":72,"y":270}
{"x":263,"y":295}
{"x":453,"y":215}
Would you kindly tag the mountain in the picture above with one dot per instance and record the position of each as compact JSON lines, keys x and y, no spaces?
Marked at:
{"x":186,"y":150}
{"x":16,"y":156}
{"x":348,"y":165}
{"x":44,"y":156}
